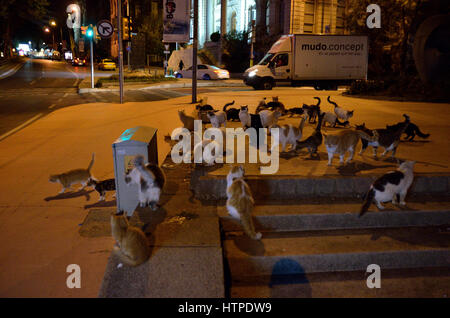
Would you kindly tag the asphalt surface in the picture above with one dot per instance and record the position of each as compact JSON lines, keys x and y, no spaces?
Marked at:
{"x":41,"y":86}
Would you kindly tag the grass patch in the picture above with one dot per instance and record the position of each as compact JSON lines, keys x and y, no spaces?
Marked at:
{"x":148,"y":79}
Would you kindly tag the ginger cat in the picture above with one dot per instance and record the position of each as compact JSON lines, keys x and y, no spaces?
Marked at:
{"x":188,"y":121}
{"x":344,"y":141}
{"x":240,"y":201}
{"x":133,"y":247}
{"x":67,"y":179}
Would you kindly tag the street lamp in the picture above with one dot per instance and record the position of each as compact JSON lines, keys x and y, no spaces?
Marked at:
{"x":53,"y":24}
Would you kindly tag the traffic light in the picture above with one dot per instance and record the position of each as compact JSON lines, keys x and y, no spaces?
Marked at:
{"x":90,"y":32}
{"x":130,"y":27}
{"x":125,"y":29}
{"x":83,"y":30}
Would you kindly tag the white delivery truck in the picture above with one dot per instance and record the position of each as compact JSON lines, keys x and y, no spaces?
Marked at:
{"x":321,"y":61}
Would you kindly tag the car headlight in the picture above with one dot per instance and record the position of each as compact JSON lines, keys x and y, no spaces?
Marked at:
{"x":252,"y":73}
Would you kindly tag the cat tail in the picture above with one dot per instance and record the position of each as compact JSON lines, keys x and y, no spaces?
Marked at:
{"x":226,"y":105}
{"x":331,"y":102}
{"x":421,"y":134}
{"x":368,"y":200}
{"x":91,"y":163}
{"x":318,"y":101}
{"x":249,"y":227}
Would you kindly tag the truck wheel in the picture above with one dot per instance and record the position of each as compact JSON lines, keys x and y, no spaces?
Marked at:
{"x":267,"y":84}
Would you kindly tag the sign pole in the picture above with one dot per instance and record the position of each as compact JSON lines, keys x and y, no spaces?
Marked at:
{"x":120,"y":55}
{"x":92,"y":63}
{"x":194,"y":54}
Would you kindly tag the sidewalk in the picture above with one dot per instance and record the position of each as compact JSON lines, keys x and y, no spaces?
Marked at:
{"x":39,"y":230}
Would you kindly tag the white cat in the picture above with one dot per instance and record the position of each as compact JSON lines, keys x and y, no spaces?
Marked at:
{"x":150,"y":180}
{"x":290,"y":134}
{"x":333,"y":120}
{"x":341,"y":112}
{"x":269,"y":118}
{"x":217,"y":118}
{"x":387,"y":187}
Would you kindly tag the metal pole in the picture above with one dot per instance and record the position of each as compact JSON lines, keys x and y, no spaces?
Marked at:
{"x":194,"y":54}
{"x":92,"y":63}
{"x":120,"y":55}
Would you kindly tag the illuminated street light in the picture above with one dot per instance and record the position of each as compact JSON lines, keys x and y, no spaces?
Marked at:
{"x":46,"y":29}
{"x":52,"y":23}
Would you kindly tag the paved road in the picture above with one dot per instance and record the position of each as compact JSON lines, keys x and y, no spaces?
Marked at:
{"x":41,"y":86}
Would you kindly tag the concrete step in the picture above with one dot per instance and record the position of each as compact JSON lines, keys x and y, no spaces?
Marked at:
{"x":417,"y":283}
{"x":289,"y":253}
{"x":290,"y":216}
{"x":276,"y":187}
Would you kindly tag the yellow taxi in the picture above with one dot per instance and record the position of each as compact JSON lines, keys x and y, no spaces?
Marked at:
{"x":107,"y":64}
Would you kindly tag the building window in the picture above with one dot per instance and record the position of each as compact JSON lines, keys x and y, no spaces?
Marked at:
{"x":233,"y":22}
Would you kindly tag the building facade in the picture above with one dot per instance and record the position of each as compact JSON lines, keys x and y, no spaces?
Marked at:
{"x":281,"y":16}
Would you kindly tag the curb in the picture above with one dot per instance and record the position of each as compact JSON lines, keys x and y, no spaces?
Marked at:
{"x":342,"y":221}
{"x":288,"y":187}
{"x":160,"y":86}
{"x":345,"y":262}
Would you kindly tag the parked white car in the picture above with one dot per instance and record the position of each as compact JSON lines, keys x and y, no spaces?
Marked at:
{"x":205,"y":72}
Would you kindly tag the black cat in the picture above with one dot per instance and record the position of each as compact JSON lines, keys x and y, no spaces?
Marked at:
{"x":203,"y":108}
{"x":410,"y":131}
{"x":295,"y":111}
{"x":312,"y":110}
{"x":232,"y":113}
{"x":102,"y":186}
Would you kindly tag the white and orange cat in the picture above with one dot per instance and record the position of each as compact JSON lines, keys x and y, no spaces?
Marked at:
{"x":344,"y":141}
{"x":240,"y":201}
{"x":133,"y":247}
{"x":290,"y":134}
{"x":67,"y":179}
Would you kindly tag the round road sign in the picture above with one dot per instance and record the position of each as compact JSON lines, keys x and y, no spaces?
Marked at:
{"x":105,"y":29}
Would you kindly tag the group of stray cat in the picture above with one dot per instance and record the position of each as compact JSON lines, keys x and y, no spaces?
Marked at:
{"x":132,"y":245}
{"x":384,"y":189}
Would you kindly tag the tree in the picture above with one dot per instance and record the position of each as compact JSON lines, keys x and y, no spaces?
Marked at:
{"x":236,"y":51}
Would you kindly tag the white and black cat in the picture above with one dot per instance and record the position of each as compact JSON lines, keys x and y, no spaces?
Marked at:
{"x":150,"y":180}
{"x":217,"y":118}
{"x":232,"y":113}
{"x":387,"y":187}
{"x":340,"y":112}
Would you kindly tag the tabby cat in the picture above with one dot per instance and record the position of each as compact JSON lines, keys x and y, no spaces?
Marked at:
{"x":133,"y":247}
{"x":67,"y":179}
{"x":102,"y":186}
{"x":240,"y":201}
